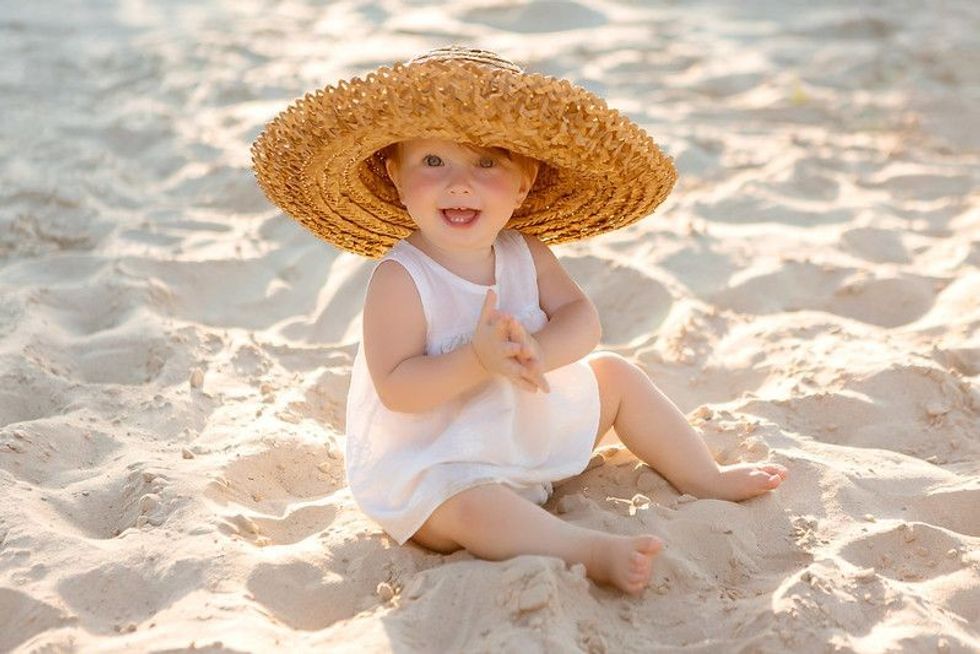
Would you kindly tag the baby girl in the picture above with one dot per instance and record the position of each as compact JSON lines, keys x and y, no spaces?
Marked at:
{"x":477,"y":384}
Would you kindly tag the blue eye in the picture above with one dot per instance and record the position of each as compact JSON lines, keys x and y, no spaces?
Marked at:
{"x":432,"y":160}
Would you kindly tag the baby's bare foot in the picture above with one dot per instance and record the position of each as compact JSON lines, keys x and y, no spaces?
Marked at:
{"x":623,"y":561}
{"x":744,"y":480}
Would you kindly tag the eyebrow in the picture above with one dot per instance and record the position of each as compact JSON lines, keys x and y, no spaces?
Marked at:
{"x":502,"y":152}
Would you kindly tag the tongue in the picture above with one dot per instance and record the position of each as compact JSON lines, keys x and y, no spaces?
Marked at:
{"x":460,"y":214}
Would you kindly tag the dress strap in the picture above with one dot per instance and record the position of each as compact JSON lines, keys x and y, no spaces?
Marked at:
{"x":519,"y":275}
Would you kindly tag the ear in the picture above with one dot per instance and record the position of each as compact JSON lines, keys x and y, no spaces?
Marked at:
{"x":391,"y":167}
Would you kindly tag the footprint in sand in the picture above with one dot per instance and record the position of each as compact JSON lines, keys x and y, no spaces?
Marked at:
{"x":141,"y":498}
{"x":48,"y":222}
{"x":303,"y":595}
{"x":325,"y":401}
{"x":279,"y":493}
{"x":357,"y":575}
{"x":54,"y":449}
{"x":123,"y":595}
{"x":29,"y":393}
{"x":22,"y":617}
{"x":907,"y":552}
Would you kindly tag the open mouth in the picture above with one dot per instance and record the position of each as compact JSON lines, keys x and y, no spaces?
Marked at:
{"x":460,"y":217}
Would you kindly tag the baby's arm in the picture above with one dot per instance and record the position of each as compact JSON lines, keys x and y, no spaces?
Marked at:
{"x":404,"y":377}
{"x":573,"y":328}
{"x":409,"y":381}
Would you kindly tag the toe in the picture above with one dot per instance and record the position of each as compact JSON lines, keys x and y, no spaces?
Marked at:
{"x":649,"y":544}
{"x":776,"y":469}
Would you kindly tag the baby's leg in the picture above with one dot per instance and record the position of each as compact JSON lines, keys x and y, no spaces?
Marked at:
{"x":494,"y":522}
{"x":655,"y":430}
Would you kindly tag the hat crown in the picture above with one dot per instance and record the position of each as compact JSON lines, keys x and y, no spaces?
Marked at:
{"x":462,"y":53}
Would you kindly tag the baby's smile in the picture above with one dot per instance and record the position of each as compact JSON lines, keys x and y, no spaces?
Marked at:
{"x":460,"y":217}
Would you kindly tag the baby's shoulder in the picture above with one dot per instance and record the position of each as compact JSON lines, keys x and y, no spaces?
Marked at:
{"x":391,"y":287}
{"x":393,"y":299}
{"x":390,"y":282}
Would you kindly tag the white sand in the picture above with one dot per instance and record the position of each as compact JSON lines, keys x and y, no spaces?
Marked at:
{"x":810,"y":293}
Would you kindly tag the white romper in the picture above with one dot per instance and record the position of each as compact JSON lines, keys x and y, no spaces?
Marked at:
{"x":402,"y":466}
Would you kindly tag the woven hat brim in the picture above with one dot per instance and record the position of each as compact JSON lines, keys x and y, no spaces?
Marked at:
{"x":319,"y":159}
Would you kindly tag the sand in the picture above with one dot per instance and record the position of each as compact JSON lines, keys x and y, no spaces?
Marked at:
{"x":175,"y":354}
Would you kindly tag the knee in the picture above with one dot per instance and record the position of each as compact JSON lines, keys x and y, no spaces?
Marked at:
{"x":429,"y":537}
{"x":609,"y":365}
{"x":454,"y":516}
{"x":464,"y":508}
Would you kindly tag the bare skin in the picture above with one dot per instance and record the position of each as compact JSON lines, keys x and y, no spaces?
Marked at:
{"x":655,"y":430}
{"x":494,"y":522}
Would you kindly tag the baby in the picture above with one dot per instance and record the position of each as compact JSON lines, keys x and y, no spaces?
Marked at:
{"x":476,"y":385}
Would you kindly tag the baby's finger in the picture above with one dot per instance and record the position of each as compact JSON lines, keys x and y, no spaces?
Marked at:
{"x":525,"y":384}
{"x":516,"y":330}
{"x":536,"y":371}
{"x":528,"y":375}
{"x":534,"y":381}
{"x":518,"y":374}
{"x":512,"y":368}
{"x":502,"y":325}
{"x":489,"y":306}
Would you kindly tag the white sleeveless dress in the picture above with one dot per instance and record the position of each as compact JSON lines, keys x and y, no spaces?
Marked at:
{"x":402,"y":466}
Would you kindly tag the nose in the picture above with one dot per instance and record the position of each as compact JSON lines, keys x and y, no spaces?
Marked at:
{"x":459,"y":182}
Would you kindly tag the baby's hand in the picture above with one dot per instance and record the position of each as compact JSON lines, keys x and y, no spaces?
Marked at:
{"x":530,"y":356}
{"x":495,"y":351}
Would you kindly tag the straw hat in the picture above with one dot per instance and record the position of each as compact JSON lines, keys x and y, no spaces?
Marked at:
{"x":320,"y":159}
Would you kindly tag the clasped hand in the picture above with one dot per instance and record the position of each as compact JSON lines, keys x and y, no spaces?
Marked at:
{"x":504,"y":347}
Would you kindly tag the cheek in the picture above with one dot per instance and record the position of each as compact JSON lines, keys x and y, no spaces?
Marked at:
{"x":419,"y":185}
{"x":425,"y":185}
{"x":503,"y":186}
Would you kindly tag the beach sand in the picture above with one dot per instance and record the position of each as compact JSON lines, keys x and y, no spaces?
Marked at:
{"x":175,"y":354}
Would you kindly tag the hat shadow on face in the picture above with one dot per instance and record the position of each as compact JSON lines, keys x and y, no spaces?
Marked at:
{"x":390,"y":160}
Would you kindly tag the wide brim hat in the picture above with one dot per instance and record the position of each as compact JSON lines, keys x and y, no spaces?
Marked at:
{"x":321,"y":159}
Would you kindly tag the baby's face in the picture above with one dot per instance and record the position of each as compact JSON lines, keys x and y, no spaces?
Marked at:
{"x":459,"y":197}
